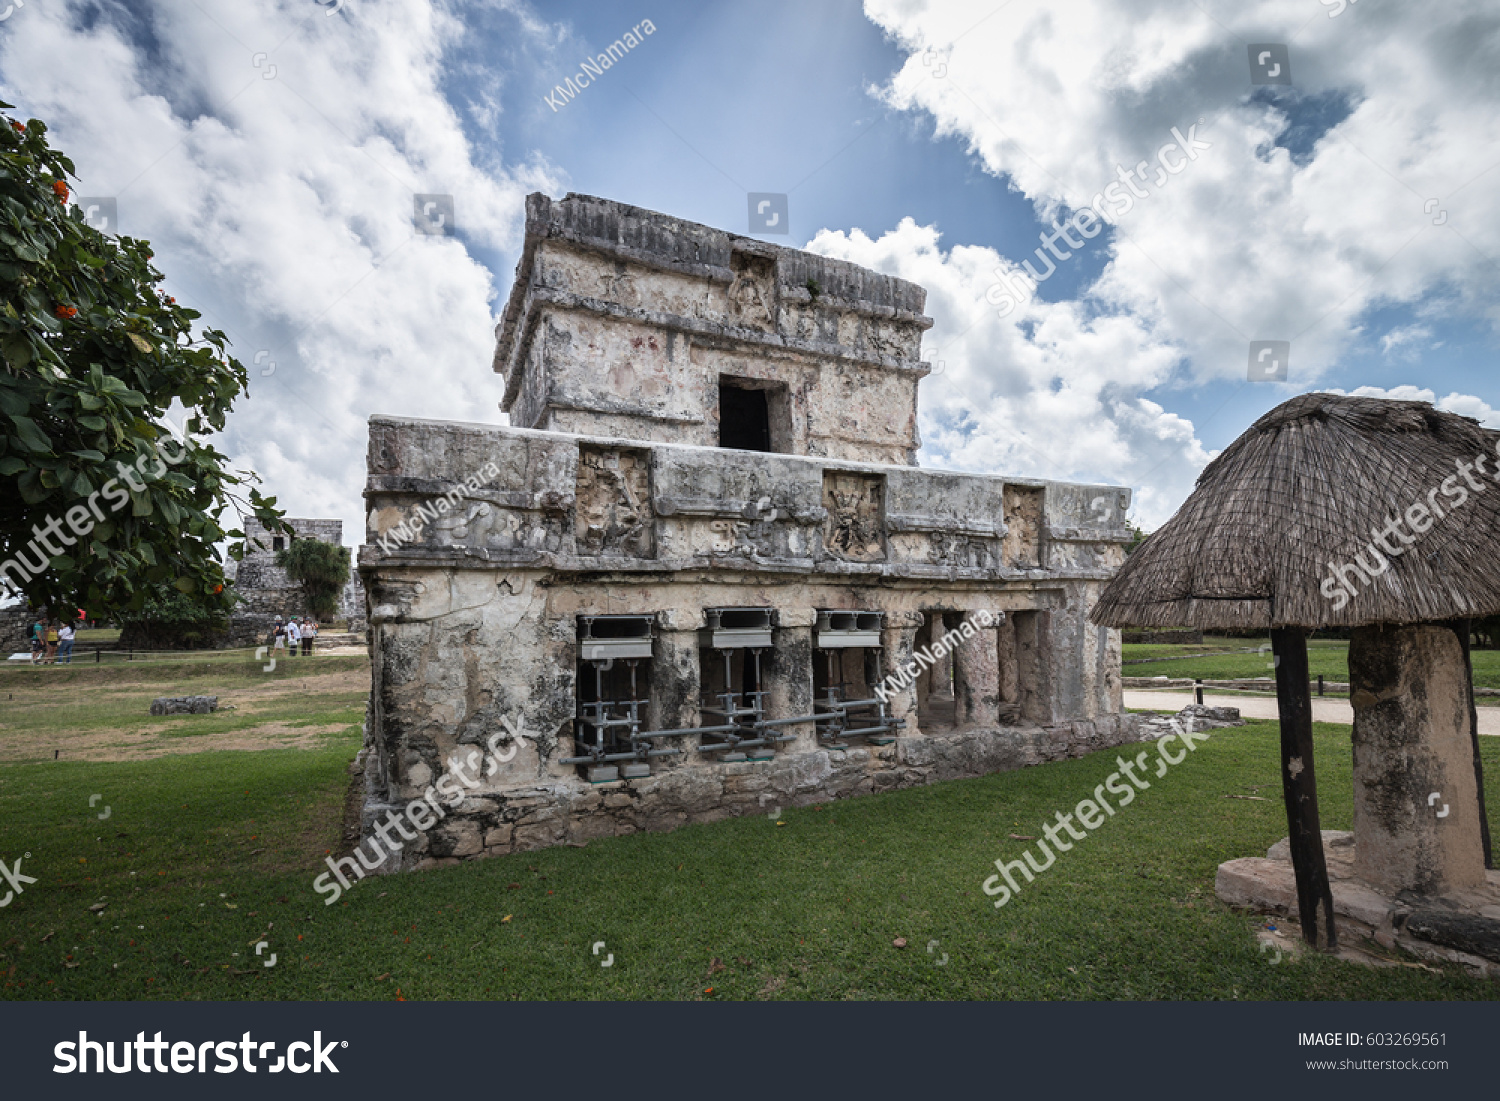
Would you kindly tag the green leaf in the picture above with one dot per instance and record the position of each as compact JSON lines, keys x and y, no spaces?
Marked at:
{"x":16,"y":351}
{"x":32,"y":438}
{"x":30,"y":485}
{"x":11,"y":465}
{"x":93,"y":424}
{"x":13,"y":401}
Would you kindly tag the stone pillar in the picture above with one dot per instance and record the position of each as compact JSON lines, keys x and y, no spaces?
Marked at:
{"x":898,"y":640}
{"x":1413,"y":761}
{"x":976,"y":680}
{"x":1005,"y":648}
{"x":674,"y":689}
{"x":787,"y":675}
{"x":1033,"y":670}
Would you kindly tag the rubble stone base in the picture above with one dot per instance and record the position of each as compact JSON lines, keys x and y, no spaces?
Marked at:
{"x":1462,"y":927}
{"x":573,"y":811}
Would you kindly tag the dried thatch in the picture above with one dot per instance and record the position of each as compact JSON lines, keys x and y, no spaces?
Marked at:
{"x":1307,"y":488}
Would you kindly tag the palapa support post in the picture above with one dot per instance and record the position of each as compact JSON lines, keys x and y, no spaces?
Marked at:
{"x":1300,"y":789}
{"x":1463,"y":628}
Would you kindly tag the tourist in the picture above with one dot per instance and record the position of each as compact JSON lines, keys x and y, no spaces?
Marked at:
{"x":309,"y":632}
{"x":38,"y":641}
{"x":278,"y":636}
{"x":65,"y":643}
{"x":51,"y":657}
{"x":293,"y":637}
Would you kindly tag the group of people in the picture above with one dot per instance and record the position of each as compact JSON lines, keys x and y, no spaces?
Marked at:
{"x":294,"y":634}
{"x":52,"y":641}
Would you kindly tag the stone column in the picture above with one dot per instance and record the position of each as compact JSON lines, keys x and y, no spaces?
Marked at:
{"x":1005,"y":649}
{"x":898,"y":640}
{"x":1416,"y":816}
{"x":976,"y":680}
{"x":787,"y":674}
{"x":1033,"y":670}
{"x":674,"y":683}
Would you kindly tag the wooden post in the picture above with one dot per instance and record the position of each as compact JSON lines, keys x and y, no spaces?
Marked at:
{"x":1463,"y":627}
{"x":1300,"y":789}
{"x":1198,"y":692}
{"x":1320,"y":684}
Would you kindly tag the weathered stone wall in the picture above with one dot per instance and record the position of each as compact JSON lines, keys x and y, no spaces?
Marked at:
{"x":622,"y":321}
{"x":570,"y":811}
{"x":15,"y":628}
{"x":475,"y":617}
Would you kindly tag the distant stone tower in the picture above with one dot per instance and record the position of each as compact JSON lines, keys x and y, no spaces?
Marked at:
{"x":264,"y":589}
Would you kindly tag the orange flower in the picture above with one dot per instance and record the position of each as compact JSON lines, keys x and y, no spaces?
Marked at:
{"x":60,"y":187}
{"x":19,"y":126}
{"x":66,"y":311}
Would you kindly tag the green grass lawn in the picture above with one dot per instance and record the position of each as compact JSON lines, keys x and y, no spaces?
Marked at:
{"x":1328,"y":657}
{"x":203,"y":855}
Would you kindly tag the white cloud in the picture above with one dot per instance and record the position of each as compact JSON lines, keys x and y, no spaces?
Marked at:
{"x":1405,"y":342}
{"x":1061,"y":403}
{"x":1244,"y":243}
{"x":281,"y":207}
{"x":1465,"y":405}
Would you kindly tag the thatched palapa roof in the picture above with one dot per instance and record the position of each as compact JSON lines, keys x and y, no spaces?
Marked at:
{"x":1310,"y":488}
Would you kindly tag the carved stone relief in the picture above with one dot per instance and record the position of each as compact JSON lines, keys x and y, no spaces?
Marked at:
{"x":614,"y":503}
{"x":856,"y":509}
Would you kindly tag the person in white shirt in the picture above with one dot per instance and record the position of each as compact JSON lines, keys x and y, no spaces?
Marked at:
{"x":65,"y":643}
{"x":293,"y":637}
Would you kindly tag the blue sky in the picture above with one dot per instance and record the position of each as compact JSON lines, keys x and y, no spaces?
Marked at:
{"x":931,"y":140}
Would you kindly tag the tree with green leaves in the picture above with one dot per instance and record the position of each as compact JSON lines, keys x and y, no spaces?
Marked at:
{"x":170,"y":620}
{"x":100,"y":503}
{"x":321,"y":569}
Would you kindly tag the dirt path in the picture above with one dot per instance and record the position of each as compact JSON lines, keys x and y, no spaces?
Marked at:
{"x":1264,"y":707}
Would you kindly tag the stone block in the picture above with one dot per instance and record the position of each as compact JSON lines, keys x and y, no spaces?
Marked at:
{"x":184,"y":705}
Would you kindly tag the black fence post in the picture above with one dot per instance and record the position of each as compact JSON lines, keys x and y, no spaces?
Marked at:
{"x":1198,"y":691}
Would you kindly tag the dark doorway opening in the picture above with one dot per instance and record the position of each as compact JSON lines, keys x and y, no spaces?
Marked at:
{"x":744,"y":418}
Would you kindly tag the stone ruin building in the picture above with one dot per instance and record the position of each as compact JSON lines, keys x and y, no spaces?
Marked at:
{"x":698,"y":549}
{"x":266,"y":592}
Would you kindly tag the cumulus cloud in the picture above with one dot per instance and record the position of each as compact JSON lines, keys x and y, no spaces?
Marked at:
{"x":1052,"y":390}
{"x":1465,"y":405}
{"x":271,"y":153}
{"x":1362,"y":184}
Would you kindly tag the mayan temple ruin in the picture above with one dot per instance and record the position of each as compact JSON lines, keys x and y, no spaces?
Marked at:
{"x":700,"y":571}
